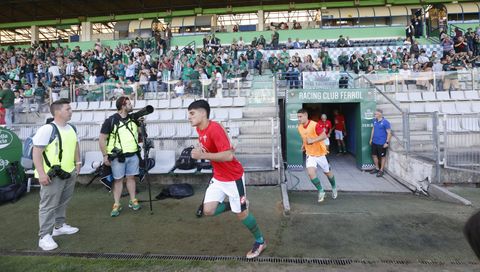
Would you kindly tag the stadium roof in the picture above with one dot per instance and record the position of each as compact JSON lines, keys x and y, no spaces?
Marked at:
{"x":33,"y":10}
{"x":23,"y":13}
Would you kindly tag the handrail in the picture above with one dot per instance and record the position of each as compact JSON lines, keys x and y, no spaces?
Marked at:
{"x":452,"y":28}
{"x":405,"y":129}
{"x":380,"y":91}
{"x":189,"y":44}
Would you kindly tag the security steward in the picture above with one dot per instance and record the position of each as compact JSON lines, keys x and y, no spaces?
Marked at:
{"x":119,"y":145}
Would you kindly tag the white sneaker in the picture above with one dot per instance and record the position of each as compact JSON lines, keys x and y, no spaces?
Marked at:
{"x":65,"y":229}
{"x":334,"y":193}
{"x":321,"y":196}
{"x":47,"y":243}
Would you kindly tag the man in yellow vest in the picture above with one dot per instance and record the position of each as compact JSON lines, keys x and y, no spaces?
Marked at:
{"x":57,"y":163}
{"x":119,"y":145}
{"x":313,"y":136}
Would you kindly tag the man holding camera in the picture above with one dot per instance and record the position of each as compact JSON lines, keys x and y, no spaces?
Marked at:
{"x":119,"y":145}
{"x":57,"y":163}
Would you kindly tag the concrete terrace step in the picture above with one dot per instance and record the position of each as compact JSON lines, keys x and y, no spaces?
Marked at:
{"x":388,"y":109}
{"x":257,"y":130}
{"x":260,"y":112}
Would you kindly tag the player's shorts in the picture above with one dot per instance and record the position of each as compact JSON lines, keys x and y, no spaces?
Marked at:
{"x":321,"y":161}
{"x":235,"y":190}
{"x":378,"y":150}
{"x":338,"y":135}
{"x":326,"y":141}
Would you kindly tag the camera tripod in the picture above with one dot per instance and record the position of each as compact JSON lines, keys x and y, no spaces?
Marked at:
{"x":147,"y":145}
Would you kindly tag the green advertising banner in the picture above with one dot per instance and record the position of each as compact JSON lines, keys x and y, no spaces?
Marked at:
{"x":364,"y":114}
{"x":10,"y":151}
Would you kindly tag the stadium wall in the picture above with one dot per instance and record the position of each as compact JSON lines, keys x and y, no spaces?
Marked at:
{"x":303,"y":35}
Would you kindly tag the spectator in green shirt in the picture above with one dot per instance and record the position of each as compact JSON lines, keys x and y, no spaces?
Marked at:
{"x":275,"y":40}
{"x":326,"y":60}
{"x":451,"y":75}
{"x":285,"y":56}
{"x":343,"y":60}
{"x":8,"y":97}
{"x":243,"y":67}
{"x":261,"y":41}
{"x":39,"y":94}
{"x":394,"y":69}
{"x":258,"y":60}
{"x":187,"y":72}
{"x":271,"y":62}
{"x":28,"y":95}
{"x":251,"y":57}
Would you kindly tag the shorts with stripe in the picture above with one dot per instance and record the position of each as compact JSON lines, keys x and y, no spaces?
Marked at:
{"x":217,"y":191}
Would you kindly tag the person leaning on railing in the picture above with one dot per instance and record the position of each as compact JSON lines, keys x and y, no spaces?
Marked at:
{"x":451,"y":76}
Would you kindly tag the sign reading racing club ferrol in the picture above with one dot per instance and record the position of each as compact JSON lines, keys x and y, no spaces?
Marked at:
{"x":10,"y":151}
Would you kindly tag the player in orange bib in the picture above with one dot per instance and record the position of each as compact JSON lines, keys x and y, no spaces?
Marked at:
{"x":313,"y":136}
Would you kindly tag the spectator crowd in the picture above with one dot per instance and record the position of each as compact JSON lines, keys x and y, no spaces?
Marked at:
{"x":44,"y":72}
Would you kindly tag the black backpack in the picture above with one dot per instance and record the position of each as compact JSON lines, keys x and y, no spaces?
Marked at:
{"x":185,"y":161}
{"x":13,"y":191}
{"x":176,"y":191}
{"x":343,"y":82}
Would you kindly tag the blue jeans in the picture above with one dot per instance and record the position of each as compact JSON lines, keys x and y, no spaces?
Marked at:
{"x":99,"y":79}
{"x":258,"y":65}
{"x":251,"y":63}
{"x":9,"y":117}
{"x":30,"y":78}
{"x":152,"y":86}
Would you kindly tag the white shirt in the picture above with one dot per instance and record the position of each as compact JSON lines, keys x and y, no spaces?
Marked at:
{"x":54,"y":70}
{"x":423,"y":59}
{"x":91,"y":80}
{"x":40,"y":68}
{"x":81,"y":69}
{"x":118,"y":91}
{"x":404,"y":73}
{"x":179,"y":89}
{"x":135,"y":51}
{"x":42,"y":136}
{"x":437,"y":67}
{"x":130,"y":71}
{"x":219,"y":78}
{"x":70,"y":69}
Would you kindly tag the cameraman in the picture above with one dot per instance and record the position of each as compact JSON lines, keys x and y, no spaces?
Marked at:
{"x":119,"y":145}
{"x":55,"y":165}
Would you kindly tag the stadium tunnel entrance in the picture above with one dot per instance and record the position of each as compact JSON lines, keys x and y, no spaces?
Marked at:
{"x":357,"y":106}
{"x":348,"y":110}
